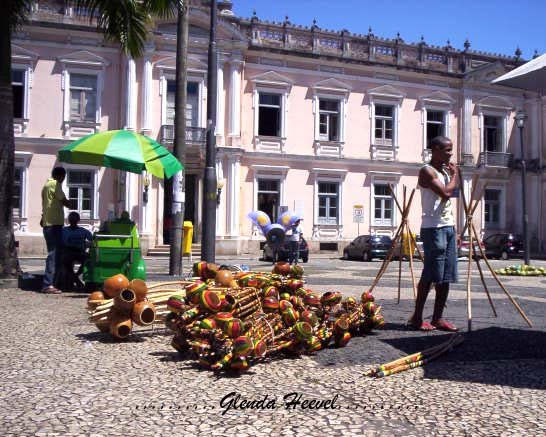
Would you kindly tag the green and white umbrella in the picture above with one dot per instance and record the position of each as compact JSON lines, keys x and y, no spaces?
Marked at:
{"x":124,"y":150}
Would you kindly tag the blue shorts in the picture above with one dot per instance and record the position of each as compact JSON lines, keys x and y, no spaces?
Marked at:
{"x":440,"y":246}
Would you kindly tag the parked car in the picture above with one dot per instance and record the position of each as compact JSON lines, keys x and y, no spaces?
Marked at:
{"x":463,"y":247}
{"x":398,"y":248}
{"x":367,"y":247}
{"x":503,"y":245}
{"x":284,"y":251}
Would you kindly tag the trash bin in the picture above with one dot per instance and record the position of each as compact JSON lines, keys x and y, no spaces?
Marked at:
{"x":188,"y":236}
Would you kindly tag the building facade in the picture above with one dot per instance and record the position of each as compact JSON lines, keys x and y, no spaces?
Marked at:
{"x":308,"y":119}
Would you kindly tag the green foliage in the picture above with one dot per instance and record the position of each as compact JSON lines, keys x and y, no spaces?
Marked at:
{"x":18,"y":10}
{"x":127,"y":22}
{"x":522,"y":270}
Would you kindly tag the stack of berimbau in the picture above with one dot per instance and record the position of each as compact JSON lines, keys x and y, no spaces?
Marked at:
{"x":123,"y":302}
{"x":228,"y":321}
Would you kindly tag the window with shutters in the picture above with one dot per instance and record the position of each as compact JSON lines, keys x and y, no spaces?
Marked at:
{"x":83,"y":97}
{"x":81,"y":192}
{"x":329,"y":119}
{"x":269,"y":197}
{"x":435,"y":125}
{"x":328,"y":203}
{"x":492,"y":208}
{"x":383,"y":205}
{"x":384,"y":125}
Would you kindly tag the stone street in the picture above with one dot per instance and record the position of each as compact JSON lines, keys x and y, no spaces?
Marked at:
{"x":62,"y":377}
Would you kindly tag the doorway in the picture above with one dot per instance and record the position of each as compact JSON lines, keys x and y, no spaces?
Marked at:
{"x":190,"y":207}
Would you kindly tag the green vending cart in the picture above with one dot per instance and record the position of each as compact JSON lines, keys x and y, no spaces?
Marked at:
{"x":115,"y":249}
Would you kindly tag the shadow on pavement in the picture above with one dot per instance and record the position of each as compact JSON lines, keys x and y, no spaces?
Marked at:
{"x":30,"y":282}
{"x":487,"y":356}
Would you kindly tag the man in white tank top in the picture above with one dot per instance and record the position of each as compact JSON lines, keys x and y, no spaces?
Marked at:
{"x":438,"y":182}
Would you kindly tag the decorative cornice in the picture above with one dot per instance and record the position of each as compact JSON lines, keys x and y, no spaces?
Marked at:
{"x":272,"y":78}
{"x":83,"y":57}
{"x":387,"y":91}
{"x":20,"y":54}
{"x":332,"y":85}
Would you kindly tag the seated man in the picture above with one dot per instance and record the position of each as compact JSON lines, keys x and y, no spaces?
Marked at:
{"x":75,"y":240}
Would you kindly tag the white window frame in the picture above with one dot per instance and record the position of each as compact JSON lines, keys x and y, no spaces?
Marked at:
{"x":494,"y":106}
{"x":25,"y":85}
{"x":80,"y":128}
{"x":323,"y":180}
{"x":71,"y":88}
{"x":500,"y":125}
{"x":20,"y":125}
{"x":330,"y":89}
{"x":384,"y":118}
{"x":383,"y":178}
{"x":193,"y":76}
{"x":270,"y":83}
{"x":324,"y":230}
{"x":22,"y":161}
{"x":389,"y":96}
{"x":276,"y":178}
{"x":270,"y":143}
{"x":329,"y":114}
{"x":280,"y":107}
{"x":382,"y":222}
{"x":82,"y":62}
{"x":503,"y":125}
{"x":502,"y":208}
{"x":426,"y":155}
{"x":95,"y":197}
{"x":437,"y":101}
{"x":323,"y":146}
{"x":276,"y":172}
{"x":23,"y":59}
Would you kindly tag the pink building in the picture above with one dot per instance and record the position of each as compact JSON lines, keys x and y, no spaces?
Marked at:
{"x":311,"y":120}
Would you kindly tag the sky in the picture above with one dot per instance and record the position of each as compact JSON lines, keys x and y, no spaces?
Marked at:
{"x":494,"y":26}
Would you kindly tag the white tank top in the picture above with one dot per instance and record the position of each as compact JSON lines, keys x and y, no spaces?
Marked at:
{"x":436,"y":212}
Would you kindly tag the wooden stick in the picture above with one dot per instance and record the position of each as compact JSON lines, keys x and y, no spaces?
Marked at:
{"x":468,"y":280}
{"x":162,"y":284}
{"x":401,"y":247}
{"x":428,"y":351}
{"x":411,"y":265}
{"x":469,"y":265}
{"x":485,"y":285}
{"x":522,"y":313}
{"x":473,"y":208}
{"x":421,"y":362}
{"x":386,"y":262}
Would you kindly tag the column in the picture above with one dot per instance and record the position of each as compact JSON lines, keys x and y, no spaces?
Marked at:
{"x":146,"y":96}
{"x":468,"y":159}
{"x":233,"y":184}
{"x":235,"y":68}
{"x":130,"y":98}
{"x":220,"y":105}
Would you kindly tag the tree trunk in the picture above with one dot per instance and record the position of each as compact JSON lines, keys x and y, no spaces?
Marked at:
{"x":9,"y":264}
{"x":177,"y":229}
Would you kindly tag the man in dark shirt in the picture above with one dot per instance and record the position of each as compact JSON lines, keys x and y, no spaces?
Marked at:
{"x":75,"y":241}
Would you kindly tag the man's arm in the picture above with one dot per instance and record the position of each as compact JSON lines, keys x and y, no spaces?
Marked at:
{"x":429,"y":179}
{"x":59,"y":194}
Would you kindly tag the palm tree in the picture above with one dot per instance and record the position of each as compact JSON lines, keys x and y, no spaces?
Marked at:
{"x":127,"y":22}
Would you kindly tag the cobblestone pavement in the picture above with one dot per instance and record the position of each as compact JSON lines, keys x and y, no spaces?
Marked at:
{"x":60,"y":376}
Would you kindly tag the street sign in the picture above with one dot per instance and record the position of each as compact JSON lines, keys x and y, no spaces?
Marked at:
{"x":358,"y":213}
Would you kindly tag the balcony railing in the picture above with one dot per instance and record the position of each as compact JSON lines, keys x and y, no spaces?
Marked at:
{"x":495,"y":159}
{"x":194,"y":135}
